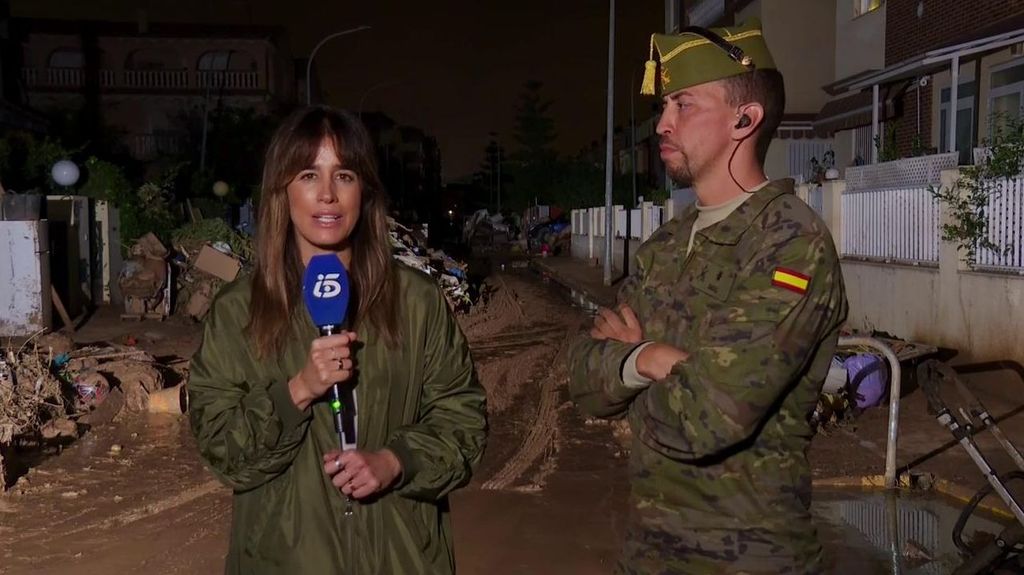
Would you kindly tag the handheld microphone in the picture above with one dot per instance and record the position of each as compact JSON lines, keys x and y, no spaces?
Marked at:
{"x":325,"y":289}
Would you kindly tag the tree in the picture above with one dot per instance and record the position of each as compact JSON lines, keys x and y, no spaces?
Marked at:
{"x":533,"y":163}
{"x":535,"y":129}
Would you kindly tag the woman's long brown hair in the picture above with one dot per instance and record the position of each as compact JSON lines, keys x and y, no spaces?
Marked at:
{"x":277,"y":278}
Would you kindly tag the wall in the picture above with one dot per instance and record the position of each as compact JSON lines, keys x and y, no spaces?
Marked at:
{"x":940,"y":23}
{"x":25,"y":303}
{"x":860,"y":42}
{"x":976,"y":313}
{"x":776,"y":163}
{"x":801,"y":38}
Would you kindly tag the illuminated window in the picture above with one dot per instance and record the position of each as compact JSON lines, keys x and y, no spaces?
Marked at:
{"x":865,"y":6}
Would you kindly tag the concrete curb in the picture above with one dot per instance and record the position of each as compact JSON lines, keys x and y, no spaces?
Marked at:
{"x":943,"y":487}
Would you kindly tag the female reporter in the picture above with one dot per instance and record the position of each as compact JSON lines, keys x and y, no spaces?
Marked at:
{"x":259,"y":378}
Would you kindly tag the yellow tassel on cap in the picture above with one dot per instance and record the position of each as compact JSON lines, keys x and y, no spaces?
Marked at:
{"x":650,"y":73}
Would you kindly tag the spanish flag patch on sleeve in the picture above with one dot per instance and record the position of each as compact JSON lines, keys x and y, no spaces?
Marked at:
{"x":791,"y":280}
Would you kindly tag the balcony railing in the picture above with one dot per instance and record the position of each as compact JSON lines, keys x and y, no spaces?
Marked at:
{"x":229,"y":80}
{"x":150,"y":146}
{"x":150,"y":80}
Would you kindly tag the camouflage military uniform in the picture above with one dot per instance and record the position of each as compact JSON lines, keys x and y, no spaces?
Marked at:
{"x":719,"y":474}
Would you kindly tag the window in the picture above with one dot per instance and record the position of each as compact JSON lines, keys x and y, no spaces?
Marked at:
{"x":215,"y":61}
{"x":964,"y":121}
{"x":1007,"y":93}
{"x":66,"y":58}
{"x":861,"y":7}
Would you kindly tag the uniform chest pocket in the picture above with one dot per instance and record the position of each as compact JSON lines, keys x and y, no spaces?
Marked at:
{"x":714,"y":280}
{"x":664,"y":270}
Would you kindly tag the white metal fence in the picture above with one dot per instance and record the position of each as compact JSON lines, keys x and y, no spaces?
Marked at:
{"x":638,"y":229}
{"x":887,"y":212}
{"x":900,"y":225}
{"x":1005,"y":213}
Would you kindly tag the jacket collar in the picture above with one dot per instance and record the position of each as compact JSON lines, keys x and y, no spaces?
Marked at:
{"x":731,"y":229}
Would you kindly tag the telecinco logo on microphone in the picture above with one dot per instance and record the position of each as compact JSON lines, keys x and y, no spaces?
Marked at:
{"x":327,"y":286}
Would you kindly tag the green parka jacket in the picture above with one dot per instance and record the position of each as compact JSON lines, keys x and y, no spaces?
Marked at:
{"x":421,"y":399}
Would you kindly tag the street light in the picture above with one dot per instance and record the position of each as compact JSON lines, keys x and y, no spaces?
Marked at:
{"x":309,"y":63}
{"x":609,"y":211}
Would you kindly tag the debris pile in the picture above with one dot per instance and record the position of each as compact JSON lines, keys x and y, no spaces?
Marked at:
{"x":210,"y":254}
{"x":483,"y":230}
{"x":552,"y":237}
{"x":48,"y":388}
{"x":409,"y":246}
{"x":143,"y":280}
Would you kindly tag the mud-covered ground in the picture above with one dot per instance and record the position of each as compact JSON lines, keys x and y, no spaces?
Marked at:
{"x":133,"y":497}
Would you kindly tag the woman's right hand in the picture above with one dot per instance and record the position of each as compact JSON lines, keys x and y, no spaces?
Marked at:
{"x":329,"y":362}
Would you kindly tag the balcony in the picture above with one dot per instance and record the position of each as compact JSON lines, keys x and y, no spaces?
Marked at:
{"x":229,"y":80}
{"x":73,"y":79}
{"x":150,"y":146}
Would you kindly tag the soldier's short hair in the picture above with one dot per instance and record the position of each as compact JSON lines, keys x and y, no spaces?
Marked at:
{"x":764,"y":86}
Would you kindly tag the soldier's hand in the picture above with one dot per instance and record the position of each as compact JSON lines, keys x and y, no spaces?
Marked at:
{"x":657,"y":360}
{"x":621,"y":325}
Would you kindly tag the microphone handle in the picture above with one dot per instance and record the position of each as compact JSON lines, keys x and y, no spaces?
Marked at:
{"x":336,"y":405}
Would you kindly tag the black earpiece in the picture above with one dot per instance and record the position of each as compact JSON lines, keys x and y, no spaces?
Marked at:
{"x":743,"y":122}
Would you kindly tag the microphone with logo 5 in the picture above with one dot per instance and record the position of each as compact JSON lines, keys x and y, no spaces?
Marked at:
{"x":326,"y":291}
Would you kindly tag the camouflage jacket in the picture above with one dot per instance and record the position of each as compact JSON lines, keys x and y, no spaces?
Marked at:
{"x":719,"y":446}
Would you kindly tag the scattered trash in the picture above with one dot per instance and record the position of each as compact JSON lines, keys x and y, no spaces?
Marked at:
{"x":218,"y":263}
{"x":409,"y":247}
{"x":47,"y":397}
{"x":144,"y":280}
{"x":172,"y":400}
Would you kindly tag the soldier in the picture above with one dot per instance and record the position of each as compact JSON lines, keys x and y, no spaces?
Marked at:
{"x":723,"y":334}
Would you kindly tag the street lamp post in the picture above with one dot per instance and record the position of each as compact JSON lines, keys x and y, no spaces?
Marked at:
{"x":609,"y":212}
{"x":309,"y":63}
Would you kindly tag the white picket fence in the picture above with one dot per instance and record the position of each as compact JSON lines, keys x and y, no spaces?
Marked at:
{"x":887,"y":213}
{"x":583,"y":219}
{"x":896,"y":225}
{"x":1005,"y":212}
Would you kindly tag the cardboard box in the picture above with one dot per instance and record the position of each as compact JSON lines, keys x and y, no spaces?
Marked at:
{"x":217,"y":264}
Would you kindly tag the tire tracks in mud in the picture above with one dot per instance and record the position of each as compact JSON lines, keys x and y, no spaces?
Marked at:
{"x":541,"y":441}
{"x":520,"y":350}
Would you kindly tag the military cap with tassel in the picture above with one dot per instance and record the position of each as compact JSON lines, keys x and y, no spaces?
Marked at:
{"x":692,"y":57}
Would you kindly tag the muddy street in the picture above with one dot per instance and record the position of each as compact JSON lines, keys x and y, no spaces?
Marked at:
{"x":133,"y":497}
{"x":549,"y":497}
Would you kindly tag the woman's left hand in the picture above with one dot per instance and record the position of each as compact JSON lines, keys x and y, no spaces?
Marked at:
{"x":359,"y":474}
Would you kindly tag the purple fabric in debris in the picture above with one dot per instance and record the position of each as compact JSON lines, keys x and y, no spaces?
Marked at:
{"x":868,"y":379}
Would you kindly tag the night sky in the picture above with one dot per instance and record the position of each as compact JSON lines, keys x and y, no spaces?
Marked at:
{"x":454,"y":68}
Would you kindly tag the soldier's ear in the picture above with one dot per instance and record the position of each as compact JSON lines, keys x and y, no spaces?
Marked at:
{"x":749,"y":118}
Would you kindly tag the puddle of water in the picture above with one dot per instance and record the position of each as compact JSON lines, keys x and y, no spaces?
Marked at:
{"x":856,"y":529}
